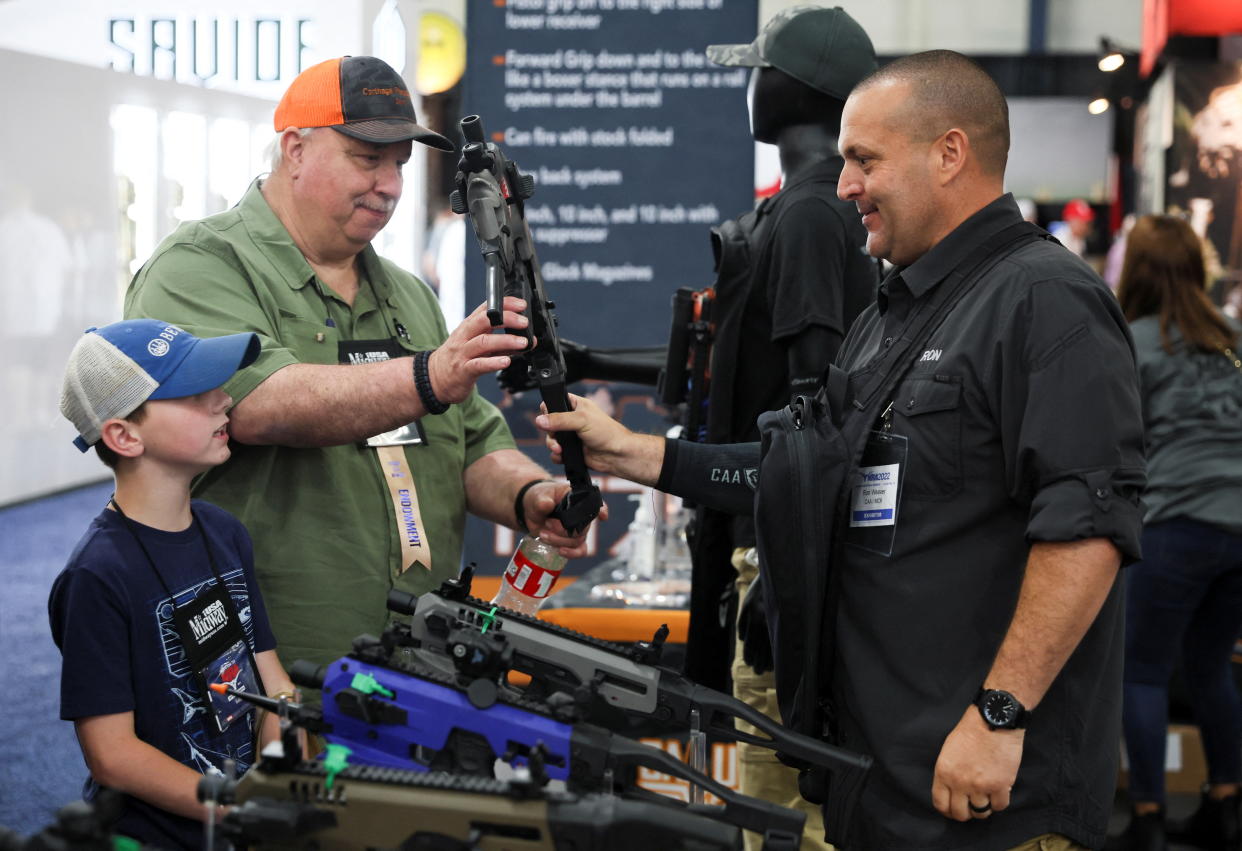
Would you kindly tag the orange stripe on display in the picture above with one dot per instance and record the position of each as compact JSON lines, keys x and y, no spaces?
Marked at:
{"x":621,"y":624}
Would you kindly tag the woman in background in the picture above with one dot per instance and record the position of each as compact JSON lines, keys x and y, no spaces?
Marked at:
{"x":1186,"y":593}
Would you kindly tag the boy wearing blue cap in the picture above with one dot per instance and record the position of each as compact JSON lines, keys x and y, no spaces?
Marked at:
{"x":159,"y":597}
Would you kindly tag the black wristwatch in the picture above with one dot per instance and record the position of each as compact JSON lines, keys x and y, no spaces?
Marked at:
{"x":1000,"y":709}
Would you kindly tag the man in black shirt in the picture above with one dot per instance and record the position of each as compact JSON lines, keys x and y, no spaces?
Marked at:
{"x":978,"y":625}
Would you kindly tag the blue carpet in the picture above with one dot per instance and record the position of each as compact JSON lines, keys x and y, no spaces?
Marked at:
{"x":41,"y":768}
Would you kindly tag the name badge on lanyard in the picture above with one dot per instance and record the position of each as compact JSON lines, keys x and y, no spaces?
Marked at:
{"x":876,"y":499}
{"x":390,"y":451}
{"x":215,"y":645}
{"x":212,"y":636}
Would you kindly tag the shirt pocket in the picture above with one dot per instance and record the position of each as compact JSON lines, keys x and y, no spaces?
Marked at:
{"x":310,"y":341}
{"x":928,"y":411}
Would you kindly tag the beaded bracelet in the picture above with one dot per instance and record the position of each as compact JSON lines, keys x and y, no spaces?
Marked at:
{"x":422,"y":382}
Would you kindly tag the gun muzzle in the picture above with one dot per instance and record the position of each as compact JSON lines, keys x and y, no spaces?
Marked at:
{"x":402,"y":602}
{"x":306,"y":674}
{"x":495,"y":289}
{"x":472,"y":129}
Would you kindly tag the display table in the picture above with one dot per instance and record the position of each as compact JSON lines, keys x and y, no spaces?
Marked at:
{"x":625,"y":625}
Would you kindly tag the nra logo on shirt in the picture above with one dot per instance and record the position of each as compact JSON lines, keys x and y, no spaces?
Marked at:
{"x":931,"y":356}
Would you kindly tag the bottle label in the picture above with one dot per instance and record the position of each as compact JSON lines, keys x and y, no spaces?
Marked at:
{"x":529,"y":578}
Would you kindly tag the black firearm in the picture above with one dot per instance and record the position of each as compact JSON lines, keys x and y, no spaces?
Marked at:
{"x":286,"y":805}
{"x":79,"y":826}
{"x":391,"y":713}
{"x":680,"y":371}
{"x":617,"y":687}
{"x":492,"y":191}
{"x":285,"y":801}
{"x":685,"y":379}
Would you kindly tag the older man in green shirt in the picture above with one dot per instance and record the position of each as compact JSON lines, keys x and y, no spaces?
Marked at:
{"x":354,"y":465}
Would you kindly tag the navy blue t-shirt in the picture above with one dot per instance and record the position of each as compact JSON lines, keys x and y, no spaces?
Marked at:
{"x":112,"y":620}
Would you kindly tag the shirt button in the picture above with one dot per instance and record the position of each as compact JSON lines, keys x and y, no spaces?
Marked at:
{"x":1100,"y":493}
{"x":910,"y":404}
{"x":888,"y":341}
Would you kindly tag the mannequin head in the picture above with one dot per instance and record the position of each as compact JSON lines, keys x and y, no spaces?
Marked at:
{"x":776,"y":101}
{"x":806,"y":60}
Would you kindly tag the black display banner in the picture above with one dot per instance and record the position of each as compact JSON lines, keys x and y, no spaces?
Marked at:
{"x":638,"y":145}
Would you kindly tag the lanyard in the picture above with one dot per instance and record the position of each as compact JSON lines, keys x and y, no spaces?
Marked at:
{"x":389,"y":447}
{"x":212,"y":636}
{"x":211,"y":559}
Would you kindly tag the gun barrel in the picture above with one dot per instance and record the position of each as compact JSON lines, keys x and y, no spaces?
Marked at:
{"x":306,"y":674}
{"x":495,"y":289}
{"x":472,"y":129}
{"x":402,"y":602}
{"x":673,"y":379}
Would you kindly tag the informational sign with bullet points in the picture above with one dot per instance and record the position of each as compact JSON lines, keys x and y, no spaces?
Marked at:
{"x":637,"y":142}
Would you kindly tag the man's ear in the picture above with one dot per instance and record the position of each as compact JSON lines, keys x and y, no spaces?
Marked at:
{"x":119,"y":436}
{"x":952,"y":153}
{"x":292,"y":146}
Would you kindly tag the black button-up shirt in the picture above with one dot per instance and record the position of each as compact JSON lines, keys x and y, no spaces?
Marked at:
{"x":1023,"y":422}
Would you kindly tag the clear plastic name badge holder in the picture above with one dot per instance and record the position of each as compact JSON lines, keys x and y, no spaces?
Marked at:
{"x":876,"y":499}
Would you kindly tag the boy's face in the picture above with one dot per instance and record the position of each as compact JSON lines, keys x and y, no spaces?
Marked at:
{"x":187,"y":434}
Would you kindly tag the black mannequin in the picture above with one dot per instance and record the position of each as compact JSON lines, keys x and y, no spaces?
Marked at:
{"x":803,"y":123}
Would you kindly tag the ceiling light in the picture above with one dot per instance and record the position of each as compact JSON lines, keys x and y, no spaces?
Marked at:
{"x":1111,"y":57}
{"x":1111,"y":61}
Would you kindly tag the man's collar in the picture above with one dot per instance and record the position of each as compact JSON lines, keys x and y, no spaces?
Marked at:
{"x":930,"y":269}
{"x":267,"y":230}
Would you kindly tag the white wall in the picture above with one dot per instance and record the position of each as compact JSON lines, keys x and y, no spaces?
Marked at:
{"x":1075,"y":26}
{"x":67,"y":234}
{"x":1058,"y":150}
{"x":985,"y":26}
{"x":100,"y":164}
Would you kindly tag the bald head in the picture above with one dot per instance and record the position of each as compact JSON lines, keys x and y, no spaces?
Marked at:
{"x":947,"y":90}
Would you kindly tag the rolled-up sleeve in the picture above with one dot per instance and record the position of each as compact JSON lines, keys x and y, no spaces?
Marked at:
{"x":204,"y":291}
{"x":1072,"y":416}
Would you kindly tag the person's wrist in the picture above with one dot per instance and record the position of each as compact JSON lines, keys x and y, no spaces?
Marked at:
{"x":519,"y":506}
{"x":422,"y":383}
{"x":1000,"y":709}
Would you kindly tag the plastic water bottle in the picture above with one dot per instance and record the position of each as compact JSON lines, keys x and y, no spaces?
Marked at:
{"x":529,"y":578}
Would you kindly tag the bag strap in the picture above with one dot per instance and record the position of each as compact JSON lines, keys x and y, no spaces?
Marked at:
{"x":896,"y":362}
{"x":930,"y":315}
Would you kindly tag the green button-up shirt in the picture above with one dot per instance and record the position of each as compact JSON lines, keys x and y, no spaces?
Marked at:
{"x":326,"y":546}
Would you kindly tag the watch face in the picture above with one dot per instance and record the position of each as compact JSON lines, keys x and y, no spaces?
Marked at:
{"x":999,"y":708}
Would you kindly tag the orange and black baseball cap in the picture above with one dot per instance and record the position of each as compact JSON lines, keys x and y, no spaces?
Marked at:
{"x":360,"y":96}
